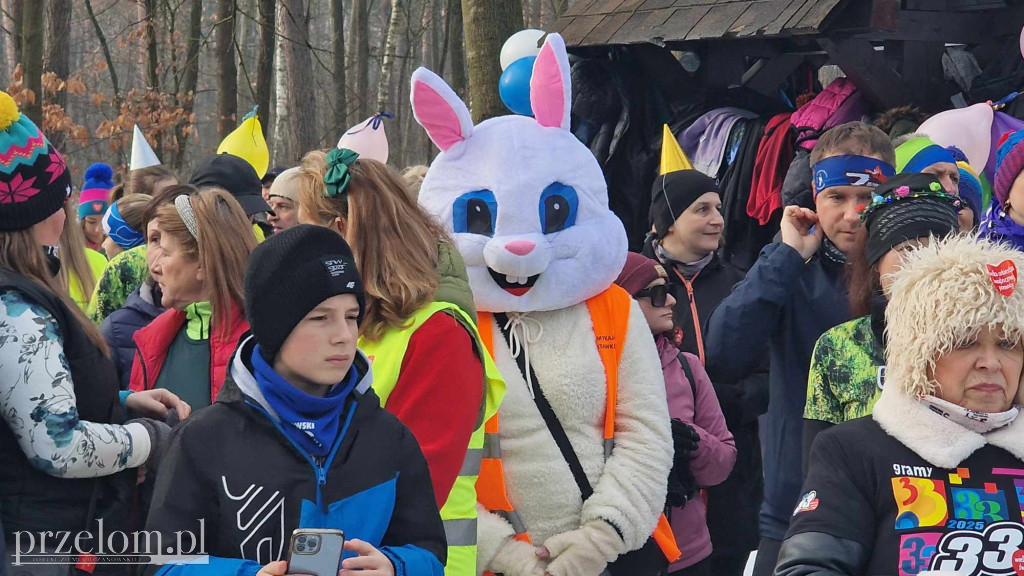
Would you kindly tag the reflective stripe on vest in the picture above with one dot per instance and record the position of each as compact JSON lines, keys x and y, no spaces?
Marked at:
{"x":609,"y":314}
{"x":459,"y":510}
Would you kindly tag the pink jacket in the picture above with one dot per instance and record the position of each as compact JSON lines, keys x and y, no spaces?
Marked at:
{"x":715,"y":455}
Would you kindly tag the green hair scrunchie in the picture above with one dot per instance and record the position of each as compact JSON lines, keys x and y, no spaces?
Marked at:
{"x":338,"y":175}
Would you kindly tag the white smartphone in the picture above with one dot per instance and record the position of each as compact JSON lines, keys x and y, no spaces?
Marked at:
{"x":316,"y":552}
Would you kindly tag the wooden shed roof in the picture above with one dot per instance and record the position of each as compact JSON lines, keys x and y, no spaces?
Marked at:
{"x":603,"y":22}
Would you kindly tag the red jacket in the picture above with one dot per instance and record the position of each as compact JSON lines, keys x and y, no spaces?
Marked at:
{"x":153,"y":341}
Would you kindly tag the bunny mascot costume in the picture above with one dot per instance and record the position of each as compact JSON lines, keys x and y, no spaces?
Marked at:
{"x":527,"y":205}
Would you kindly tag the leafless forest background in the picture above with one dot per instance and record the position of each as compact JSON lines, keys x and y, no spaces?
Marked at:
{"x":186,"y":71}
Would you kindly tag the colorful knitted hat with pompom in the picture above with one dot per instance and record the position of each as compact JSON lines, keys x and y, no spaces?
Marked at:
{"x":34,"y":180}
{"x":95,"y":195}
{"x":1009,"y":163}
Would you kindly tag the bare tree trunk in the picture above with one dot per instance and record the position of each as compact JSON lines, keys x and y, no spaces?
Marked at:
{"x":360,"y":53}
{"x":227,"y":72}
{"x":487,"y":25}
{"x":535,"y":21}
{"x":265,"y":61}
{"x":33,"y":31}
{"x":283,"y":143}
{"x":397,"y":26}
{"x":558,"y":7}
{"x":58,"y":55}
{"x":430,"y":56}
{"x":106,"y":54}
{"x":457,"y":49}
{"x":148,"y":8}
{"x":338,"y":42}
{"x":13,"y":14}
{"x":190,"y":79}
{"x":300,"y":75}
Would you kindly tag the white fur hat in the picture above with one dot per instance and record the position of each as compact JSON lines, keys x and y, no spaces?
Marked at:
{"x":946,"y":292}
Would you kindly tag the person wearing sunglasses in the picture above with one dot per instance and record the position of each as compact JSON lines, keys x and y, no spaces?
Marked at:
{"x":705,"y":451}
{"x":686,"y":228}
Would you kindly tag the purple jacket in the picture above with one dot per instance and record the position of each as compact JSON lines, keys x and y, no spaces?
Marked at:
{"x":715,"y":455}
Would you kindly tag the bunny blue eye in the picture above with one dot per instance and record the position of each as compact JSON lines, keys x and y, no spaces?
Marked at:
{"x":558,"y":205}
{"x":475,"y":213}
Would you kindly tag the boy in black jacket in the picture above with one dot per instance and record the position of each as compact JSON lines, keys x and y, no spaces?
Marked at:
{"x":296,"y":437}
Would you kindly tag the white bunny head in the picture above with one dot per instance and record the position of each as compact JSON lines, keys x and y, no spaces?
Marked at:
{"x":525,"y":200}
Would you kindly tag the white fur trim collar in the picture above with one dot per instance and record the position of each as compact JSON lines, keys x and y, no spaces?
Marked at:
{"x":940,"y":441}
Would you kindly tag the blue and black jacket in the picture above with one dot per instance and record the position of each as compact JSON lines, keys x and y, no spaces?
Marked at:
{"x":791,"y":302}
{"x":232,"y":467}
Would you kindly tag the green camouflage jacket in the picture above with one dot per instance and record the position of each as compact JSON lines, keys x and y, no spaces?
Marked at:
{"x":846,"y":374}
{"x":123,"y":274}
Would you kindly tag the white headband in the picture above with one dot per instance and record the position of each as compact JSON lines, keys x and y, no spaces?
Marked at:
{"x":188,"y":216}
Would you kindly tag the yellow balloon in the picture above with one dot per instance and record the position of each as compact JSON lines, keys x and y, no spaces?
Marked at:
{"x":247,"y":143}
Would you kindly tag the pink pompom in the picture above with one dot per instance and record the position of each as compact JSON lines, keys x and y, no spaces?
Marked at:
{"x":903,"y":191}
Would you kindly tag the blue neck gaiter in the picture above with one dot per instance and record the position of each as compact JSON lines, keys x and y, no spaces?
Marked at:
{"x":310,"y":421}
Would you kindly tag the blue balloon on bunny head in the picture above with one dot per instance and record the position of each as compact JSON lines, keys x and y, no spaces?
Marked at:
{"x":514,"y":86}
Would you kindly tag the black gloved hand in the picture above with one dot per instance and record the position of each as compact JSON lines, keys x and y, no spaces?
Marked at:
{"x":685,"y":440}
{"x":159,"y":435}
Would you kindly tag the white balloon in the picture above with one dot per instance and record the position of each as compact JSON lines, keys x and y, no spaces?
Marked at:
{"x":520,"y":45}
{"x":969,"y":129}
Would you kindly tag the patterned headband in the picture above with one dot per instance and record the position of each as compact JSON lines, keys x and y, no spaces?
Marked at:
{"x":188,"y":216}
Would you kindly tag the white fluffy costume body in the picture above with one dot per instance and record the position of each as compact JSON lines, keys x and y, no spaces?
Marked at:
{"x":527,"y":205}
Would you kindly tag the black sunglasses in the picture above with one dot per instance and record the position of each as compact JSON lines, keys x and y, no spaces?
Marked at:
{"x":658,"y":295}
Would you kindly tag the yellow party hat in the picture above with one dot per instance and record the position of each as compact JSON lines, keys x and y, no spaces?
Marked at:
{"x":673,"y":159}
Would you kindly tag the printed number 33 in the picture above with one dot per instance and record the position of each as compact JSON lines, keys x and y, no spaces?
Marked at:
{"x":962,"y":552}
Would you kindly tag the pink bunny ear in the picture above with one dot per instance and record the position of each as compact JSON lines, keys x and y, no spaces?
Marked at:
{"x":550,"y":88}
{"x":439,"y":110}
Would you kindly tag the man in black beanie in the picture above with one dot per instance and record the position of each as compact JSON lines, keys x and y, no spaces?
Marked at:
{"x":298,"y":418}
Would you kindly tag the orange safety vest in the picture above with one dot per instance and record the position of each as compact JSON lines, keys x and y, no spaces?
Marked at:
{"x":609,"y":313}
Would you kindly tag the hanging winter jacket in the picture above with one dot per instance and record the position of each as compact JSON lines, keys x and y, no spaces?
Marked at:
{"x":838,"y":103}
{"x":774,"y":154}
{"x":796,"y":187}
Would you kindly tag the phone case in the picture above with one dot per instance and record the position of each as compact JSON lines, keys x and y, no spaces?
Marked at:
{"x":321,"y":559}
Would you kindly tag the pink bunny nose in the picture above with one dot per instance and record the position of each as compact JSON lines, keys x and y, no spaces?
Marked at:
{"x":520,"y":247}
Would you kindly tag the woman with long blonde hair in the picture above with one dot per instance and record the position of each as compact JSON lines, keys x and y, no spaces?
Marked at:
{"x":80,"y":266}
{"x":64,"y":442}
{"x":419,"y":328}
{"x":199,"y":243}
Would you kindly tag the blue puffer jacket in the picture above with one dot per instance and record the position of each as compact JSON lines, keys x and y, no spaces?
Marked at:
{"x":118,"y":329}
{"x":792,"y":303}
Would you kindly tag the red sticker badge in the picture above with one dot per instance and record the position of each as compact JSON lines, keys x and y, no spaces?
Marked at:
{"x":1018,"y":562}
{"x":1004,"y":277}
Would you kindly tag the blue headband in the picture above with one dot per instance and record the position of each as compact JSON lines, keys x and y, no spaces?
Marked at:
{"x":119,"y":231}
{"x":850,"y":170}
{"x":931,"y":154}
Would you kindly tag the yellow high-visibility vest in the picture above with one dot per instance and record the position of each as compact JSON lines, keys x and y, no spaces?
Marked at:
{"x":459,"y":510}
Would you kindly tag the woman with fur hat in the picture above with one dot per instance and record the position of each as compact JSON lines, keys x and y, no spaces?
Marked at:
{"x":930,"y":483}
{"x":704,"y":448}
{"x":847,"y":366}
